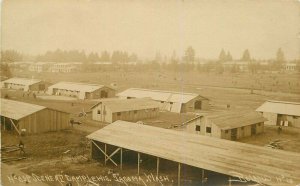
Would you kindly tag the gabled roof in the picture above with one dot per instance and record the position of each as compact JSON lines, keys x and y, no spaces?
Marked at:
{"x":22,"y":81}
{"x":230,"y":120}
{"x":280,"y":107}
{"x":121,"y":105}
{"x":82,"y":87}
{"x":218,"y":155}
{"x":16,"y":109}
{"x":160,"y":95}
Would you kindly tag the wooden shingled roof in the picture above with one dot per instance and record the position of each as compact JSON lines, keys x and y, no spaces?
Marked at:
{"x":223,"y":156}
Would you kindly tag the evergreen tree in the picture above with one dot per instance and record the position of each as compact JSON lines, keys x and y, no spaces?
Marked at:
{"x":228,"y":56}
{"x":246,"y":56}
{"x":280,"y":56}
{"x":105,"y":56}
{"x":222,"y":56}
{"x":189,"y":55}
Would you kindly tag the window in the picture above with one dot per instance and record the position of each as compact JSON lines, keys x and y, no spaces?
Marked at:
{"x":118,"y":113}
{"x":171,"y":103}
{"x":135,"y":111}
{"x":208,"y":129}
{"x":98,"y":112}
{"x":226,"y":131}
{"x":162,"y":101}
{"x":198,"y":128}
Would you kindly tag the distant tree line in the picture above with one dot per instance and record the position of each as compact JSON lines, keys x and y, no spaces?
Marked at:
{"x":11,"y":56}
{"x":80,"y":56}
{"x":187,"y":62}
{"x":72,"y":56}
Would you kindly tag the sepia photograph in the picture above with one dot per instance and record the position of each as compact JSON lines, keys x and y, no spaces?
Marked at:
{"x":150,"y":92}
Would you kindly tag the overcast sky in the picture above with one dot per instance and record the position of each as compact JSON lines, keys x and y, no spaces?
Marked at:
{"x":148,"y":26}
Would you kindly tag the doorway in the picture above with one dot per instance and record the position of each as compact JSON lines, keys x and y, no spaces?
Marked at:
{"x":198,"y":105}
{"x":253,"y":129}
{"x":233,"y":134}
{"x":41,"y":86}
{"x":104,"y":94}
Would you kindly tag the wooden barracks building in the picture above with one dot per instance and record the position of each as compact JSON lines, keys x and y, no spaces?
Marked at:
{"x":281,"y":113}
{"x":110,"y":110}
{"x":178,"y":102}
{"x":20,"y":116}
{"x":81,"y":90}
{"x":24,"y":84}
{"x":120,"y":141}
{"x":228,"y":125}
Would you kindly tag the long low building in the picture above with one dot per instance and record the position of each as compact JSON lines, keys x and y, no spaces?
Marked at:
{"x":178,"y":102}
{"x":259,"y":164}
{"x":110,"y":110}
{"x":281,"y":113}
{"x":227,"y":125}
{"x":81,"y":90}
{"x":32,"y":118}
{"x":24,"y":84}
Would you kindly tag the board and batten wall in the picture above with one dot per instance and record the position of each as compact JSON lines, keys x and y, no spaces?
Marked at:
{"x":102,"y":113}
{"x":294,"y":121}
{"x":135,"y":115}
{"x":33,"y":87}
{"x":190,"y":106}
{"x":97,"y":93}
{"x":218,"y":132}
{"x":45,"y":120}
{"x":274,"y":119}
{"x":243,"y":132}
{"x":271,"y":118}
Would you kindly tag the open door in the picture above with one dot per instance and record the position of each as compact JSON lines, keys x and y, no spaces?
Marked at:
{"x":103,"y":94}
{"x":198,"y":105}
{"x":253,"y":129}
{"x":233,"y":134}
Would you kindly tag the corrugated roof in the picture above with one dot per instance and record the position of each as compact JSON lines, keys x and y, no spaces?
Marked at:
{"x":121,"y":105}
{"x":218,"y":155}
{"x":17,"y":110}
{"x":22,"y":81}
{"x":280,"y":107}
{"x":76,"y":86}
{"x":230,"y":120}
{"x":159,"y":95}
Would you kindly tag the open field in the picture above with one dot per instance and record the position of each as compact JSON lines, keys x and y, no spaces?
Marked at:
{"x":233,"y":89}
{"x":45,"y":152}
{"x":161,"y":79}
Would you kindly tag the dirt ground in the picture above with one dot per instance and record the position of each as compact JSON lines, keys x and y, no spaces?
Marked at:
{"x":162,"y":79}
{"x":288,"y":139}
{"x":67,"y":152}
{"x":65,"y":157}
